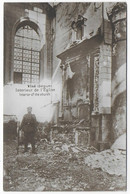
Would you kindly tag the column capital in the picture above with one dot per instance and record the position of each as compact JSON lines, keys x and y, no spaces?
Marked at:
{"x":117,"y":15}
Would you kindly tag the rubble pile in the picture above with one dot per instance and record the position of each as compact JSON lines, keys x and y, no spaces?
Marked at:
{"x":76,"y":132}
{"x":55,"y":167}
{"x":63,"y":133}
{"x":112,"y":161}
{"x":58,"y":135}
{"x":43,"y":131}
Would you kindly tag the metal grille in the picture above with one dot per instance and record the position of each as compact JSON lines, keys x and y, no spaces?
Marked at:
{"x":27,"y":54}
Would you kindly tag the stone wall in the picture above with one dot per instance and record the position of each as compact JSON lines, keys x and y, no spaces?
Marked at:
{"x":100,"y":54}
{"x":63,"y":34}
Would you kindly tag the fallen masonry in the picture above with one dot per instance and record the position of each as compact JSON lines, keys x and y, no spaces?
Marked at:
{"x":71,"y":133}
{"x":56,"y":167}
{"x":112,"y":161}
{"x":65,"y":161}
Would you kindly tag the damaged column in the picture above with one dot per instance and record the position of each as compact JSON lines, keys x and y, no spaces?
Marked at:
{"x":117,"y":15}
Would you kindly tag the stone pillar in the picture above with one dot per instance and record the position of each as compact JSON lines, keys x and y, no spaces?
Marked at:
{"x":117,"y":15}
{"x":63,"y":68}
{"x":105,"y":62}
{"x":101,"y":115}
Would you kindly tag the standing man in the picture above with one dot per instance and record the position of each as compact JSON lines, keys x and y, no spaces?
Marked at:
{"x":29,"y":125}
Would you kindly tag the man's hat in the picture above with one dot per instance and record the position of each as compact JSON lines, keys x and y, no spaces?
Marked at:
{"x":29,"y":107}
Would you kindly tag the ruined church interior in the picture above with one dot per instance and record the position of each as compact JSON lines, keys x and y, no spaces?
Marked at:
{"x":68,"y":62}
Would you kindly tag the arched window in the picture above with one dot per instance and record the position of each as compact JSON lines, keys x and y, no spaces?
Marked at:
{"x":26,"y":67}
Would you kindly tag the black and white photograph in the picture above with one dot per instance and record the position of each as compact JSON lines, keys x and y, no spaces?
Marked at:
{"x":64,"y":96}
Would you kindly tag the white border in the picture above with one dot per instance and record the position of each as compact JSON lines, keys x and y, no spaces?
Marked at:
{"x":1,"y":88}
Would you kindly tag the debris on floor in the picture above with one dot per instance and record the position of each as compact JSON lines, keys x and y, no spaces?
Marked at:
{"x":58,"y":167}
{"x":62,"y":165}
{"x":111,"y":161}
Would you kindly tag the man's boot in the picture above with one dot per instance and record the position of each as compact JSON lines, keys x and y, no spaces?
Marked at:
{"x":33,"y":149}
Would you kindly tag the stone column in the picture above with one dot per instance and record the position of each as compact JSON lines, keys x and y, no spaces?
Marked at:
{"x":117,"y":15}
